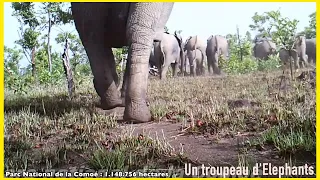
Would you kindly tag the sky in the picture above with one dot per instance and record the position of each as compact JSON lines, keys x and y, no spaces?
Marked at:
{"x":195,"y":18}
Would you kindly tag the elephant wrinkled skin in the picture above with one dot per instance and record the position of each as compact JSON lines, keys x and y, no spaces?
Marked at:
{"x":216,"y":45}
{"x":102,"y":26}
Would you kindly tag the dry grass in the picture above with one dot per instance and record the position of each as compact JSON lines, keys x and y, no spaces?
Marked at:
{"x":46,"y":130}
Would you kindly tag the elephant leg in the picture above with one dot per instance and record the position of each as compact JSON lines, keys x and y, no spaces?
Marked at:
{"x":104,"y":82}
{"x":210,"y":68}
{"x":295,"y":57}
{"x":192,"y":67}
{"x":114,"y":71}
{"x":125,"y":82}
{"x":142,"y":26}
{"x":216,"y":69}
{"x":198,"y":68}
{"x":164,"y":71}
{"x":175,"y":67}
{"x":304,"y":59}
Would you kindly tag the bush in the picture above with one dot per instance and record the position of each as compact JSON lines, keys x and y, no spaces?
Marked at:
{"x":235,"y":66}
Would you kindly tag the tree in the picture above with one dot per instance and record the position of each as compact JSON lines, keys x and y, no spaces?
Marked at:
{"x":310,"y":31}
{"x":12,"y":75}
{"x":78,"y":54}
{"x":282,"y":30}
{"x":54,"y":15}
{"x":271,"y":24}
{"x":25,"y":14}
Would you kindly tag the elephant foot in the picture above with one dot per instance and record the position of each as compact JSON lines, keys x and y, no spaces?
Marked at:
{"x":107,"y":104}
{"x":137,"y":112}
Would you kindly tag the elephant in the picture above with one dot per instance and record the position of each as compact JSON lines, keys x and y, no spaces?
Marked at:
{"x":193,"y":43}
{"x":153,"y":70}
{"x":216,"y":45}
{"x":185,"y":66}
{"x":264,"y":48}
{"x":102,"y":26}
{"x":298,"y":52}
{"x":311,"y":50}
{"x":168,"y":51}
{"x":197,"y":64}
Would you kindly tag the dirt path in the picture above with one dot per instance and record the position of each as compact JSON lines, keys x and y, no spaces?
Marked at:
{"x":206,"y":149}
{"x":199,"y":148}
{"x":203,"y":149}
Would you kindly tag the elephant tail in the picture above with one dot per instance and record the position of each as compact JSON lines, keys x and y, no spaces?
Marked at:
{"x":217,"y":45}
{"x":181,"y":45}
{"x":195,"y":48}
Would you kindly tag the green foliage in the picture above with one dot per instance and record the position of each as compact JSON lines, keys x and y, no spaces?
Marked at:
{"x":25,"y":12}
{"x":310,"y":31}
{"x":245,"y":46}
{"x":58,"y":13}
{"x":271,"y":24}
{"x":78,"y":54}
{"x":29,"y":39}
{"x":271,"y":64}
{"x":235,"y":66}
{"x":13,"y":80}
{"x":119,"y":54}
{"x":44,"y":76}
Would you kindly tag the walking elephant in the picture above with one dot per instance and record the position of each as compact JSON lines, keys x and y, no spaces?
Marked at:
{"x":185,"y":64}
{"x":263,"y":49}
{"x":197,"y":65}
{"x":297,"y":53}
{"x":311,"y":50}
{"x":102,"y":26}
{"x":216,"y":45}
{"x":168,"y":52}
{"x":193,"y":43}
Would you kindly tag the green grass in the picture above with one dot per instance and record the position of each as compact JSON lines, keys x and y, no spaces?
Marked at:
{"x":45,"y":129}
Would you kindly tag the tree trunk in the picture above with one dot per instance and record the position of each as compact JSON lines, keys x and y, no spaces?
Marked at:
{"x":239,"y":43}
{"x":33,"y":63}
{"x":48,"y":44}
{"x":68,"y":70}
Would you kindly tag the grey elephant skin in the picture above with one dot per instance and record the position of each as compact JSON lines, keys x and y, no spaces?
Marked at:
{"x":298,"y":52}
{"x":193,"y":43}
{"x":197,"y":65}
{"x":216,"y":45}
{"x":263,"y":49}
{"x":168,"y":52}
{"x":102,"y":26}
{"x":185,"y":65}
{"x":311,"y":50}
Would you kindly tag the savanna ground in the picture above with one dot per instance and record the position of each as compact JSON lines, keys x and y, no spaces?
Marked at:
{"x":230,"y":121}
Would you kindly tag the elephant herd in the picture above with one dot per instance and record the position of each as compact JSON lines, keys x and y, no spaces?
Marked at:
{"x":304,"y":51}
{"x":103,"y":26}
{"x":190,"y":56}
{"x":194,"y":55}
